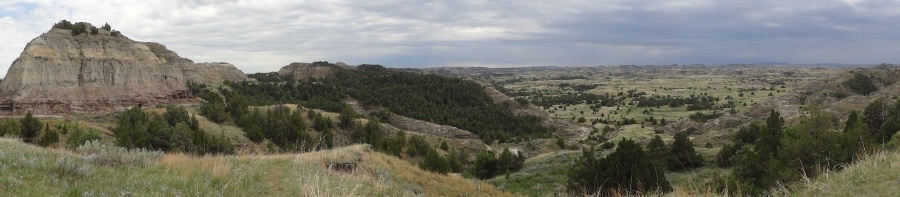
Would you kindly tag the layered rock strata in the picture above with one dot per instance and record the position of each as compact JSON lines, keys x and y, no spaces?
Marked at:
{"x":59,"y":73}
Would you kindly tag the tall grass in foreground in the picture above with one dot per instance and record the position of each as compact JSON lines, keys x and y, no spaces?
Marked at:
{"x":27,"y":170}
{"x":875,"y":175}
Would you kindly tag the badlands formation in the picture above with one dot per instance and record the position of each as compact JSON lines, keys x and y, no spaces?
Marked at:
{"x":62,"y":73}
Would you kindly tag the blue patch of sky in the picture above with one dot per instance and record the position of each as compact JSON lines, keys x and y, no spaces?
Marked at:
{"x":16,"y":10}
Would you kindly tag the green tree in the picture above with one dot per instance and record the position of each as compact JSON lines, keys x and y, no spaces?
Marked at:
{"x":328,"y":138}
{"x":682,"y":155}
{"x":10,"y":127}
{"x":658,"y":152}
{"x":861,"y":84}
{"x":435,"y":162}
{"x":627,"y":169}
{"x":485,"y":165}
{"x":505,"y":161}
{"x":768,"y":142}
{"x":81,"y":135}
{"x":31,"y":127}
{"x":346,"y":118}
{"x":49,"y":138}
{"x":444,"y":146}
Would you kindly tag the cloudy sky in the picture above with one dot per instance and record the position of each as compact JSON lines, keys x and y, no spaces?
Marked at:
{"x":263,"y":35}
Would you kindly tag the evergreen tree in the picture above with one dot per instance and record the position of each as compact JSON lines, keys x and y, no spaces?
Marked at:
{"x":861,"y":84}
{"x":658,"y":152}
{"x":328,"y":137}
{"x":505,"y":161}
{"x":683,"y":156}
{"x":49,"y":138}
{"x":768,"y":142}
{"x":627,"y":169}
{"x":31,"y":127}
{"x":485,"y":165}
{"x":346,"y":118}
{"x":434,"y":162}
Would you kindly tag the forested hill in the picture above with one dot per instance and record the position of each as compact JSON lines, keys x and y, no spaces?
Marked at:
{"x":429,"y":97}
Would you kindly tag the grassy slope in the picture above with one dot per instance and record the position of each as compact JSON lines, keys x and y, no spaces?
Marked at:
{"x":542,"y":175}
{"x":877,"y":175}
{"x":27,"y":170}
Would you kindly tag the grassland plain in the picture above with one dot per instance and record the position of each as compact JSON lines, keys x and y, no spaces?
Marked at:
{"x":742,"y":85}
{"x":29,"y":170}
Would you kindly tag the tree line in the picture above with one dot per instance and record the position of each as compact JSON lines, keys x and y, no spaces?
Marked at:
{"x":429,"y":97}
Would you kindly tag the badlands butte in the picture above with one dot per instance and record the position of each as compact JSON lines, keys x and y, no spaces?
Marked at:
{"x":59,"y":73}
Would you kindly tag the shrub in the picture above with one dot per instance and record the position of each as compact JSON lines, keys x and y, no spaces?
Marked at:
{"x":861,"y":84}
{"x":444,"y":146}
{"x":701,"y":117}
{"x":895,"y":141}
{"x":81,"y":135}
{"x":68,"y":166}
{"x":10,"y":127}
{"x":607,"y":145}
{"x":109,"y":155}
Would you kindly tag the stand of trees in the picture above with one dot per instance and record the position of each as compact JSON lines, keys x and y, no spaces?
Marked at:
{"x":764,"y":156}
{"x":429,"y":97}
{"x":174,"y":130}
{"x":487,"y":165}
{"x":83,"y":27}
{"x":861,"y":84}
{"x":627,"y":170}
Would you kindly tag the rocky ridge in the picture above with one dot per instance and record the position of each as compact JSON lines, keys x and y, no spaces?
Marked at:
{"x":58,"y":73}
{"x":305,"y":71}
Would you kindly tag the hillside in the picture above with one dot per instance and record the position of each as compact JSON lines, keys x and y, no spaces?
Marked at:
{"x":874,"y":176}
{"x":34,"y":171}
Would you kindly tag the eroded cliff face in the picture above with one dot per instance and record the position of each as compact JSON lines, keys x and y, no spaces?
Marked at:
{"x":58,"y":73}
{"x":304,"y":71}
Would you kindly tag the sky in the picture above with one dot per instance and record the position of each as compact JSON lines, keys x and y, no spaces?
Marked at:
{"x":264,"y":35}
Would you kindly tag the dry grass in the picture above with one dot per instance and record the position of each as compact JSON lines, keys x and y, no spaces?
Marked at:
{"x":27,"y":170}
{"x":877,"y":175}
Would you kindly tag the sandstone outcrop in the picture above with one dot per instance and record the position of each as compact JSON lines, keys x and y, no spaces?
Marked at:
{"x":59,"y":73}
{"x":304,"y":71}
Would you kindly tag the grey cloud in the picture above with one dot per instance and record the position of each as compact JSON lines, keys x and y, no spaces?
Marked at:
{"x":264,"y":35}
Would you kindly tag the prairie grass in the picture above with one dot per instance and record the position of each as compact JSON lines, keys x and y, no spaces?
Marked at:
{"x":27,"y":170}
{"x":877,"y":175}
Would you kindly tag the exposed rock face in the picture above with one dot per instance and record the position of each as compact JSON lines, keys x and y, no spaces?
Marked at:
{"x":421,"y":126}
{"x":58,"y":73}
{"x":304,"y":71}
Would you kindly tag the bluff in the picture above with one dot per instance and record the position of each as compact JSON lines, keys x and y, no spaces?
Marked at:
{"x":61,"y":72}
{"x":304,"y":71}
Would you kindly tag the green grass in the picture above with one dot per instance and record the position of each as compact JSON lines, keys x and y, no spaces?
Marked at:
{"x":27,"y":170}
{"x":542,"y":175}
{"x":877,"y":175}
